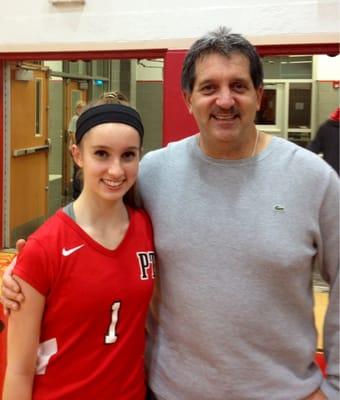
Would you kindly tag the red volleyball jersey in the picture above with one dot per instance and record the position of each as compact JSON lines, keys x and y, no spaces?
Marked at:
{"x":93,"y":329}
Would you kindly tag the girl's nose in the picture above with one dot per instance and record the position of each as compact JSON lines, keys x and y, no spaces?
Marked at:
{"x":115,"y":169}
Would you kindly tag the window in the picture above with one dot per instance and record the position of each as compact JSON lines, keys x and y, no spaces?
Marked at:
{"x":38,"y":105}
{"x":267,"y":112}
{"x":288,"y":67}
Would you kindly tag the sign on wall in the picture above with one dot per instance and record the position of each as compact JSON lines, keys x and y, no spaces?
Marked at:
{"x":56,"y":2}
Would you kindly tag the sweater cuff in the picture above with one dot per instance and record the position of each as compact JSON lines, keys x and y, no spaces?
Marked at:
{"x":329,"y":390}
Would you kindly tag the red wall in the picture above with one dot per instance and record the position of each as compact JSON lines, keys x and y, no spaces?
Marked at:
{"x":177,"y":122}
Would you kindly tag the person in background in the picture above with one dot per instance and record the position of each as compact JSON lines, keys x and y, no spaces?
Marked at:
{"x":71,"y":130}
{"x":326,"y":141}
{"x":87,"y":276}
{"x":238,"y":225}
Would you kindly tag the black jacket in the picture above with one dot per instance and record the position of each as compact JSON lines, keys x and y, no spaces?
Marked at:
{"x":326,"y":142}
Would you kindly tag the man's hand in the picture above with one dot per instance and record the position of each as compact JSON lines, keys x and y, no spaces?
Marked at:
{"x":318,"y":395}
{"x":11,"y":295}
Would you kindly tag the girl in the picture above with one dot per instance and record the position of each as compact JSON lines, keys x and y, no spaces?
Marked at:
{"x":73,"y":339}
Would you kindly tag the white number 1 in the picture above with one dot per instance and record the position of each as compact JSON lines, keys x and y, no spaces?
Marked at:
{"x":111,"y":337}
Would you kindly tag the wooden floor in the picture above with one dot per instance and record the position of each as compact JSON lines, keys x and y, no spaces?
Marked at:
{"x":321,"y":302}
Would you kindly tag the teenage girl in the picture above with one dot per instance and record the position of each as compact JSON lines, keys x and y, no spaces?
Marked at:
{"x":73,"y":339}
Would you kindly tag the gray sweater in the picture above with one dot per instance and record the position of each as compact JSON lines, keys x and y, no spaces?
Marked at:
{"x":232,"y":313}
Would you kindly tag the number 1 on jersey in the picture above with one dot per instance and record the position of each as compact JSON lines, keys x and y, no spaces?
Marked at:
{"x":111,"y":337}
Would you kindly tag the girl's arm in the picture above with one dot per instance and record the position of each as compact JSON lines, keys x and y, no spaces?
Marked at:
{"x":22,"y":344}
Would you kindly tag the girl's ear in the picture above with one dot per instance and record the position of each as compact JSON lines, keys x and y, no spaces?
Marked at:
{"x":77,"y":155}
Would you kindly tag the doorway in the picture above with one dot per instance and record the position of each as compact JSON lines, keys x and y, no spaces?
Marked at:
{"x":74,"y":92}
{"x":271,"y":116}
{"x":29,"y":147}
{"x":48,"y":92}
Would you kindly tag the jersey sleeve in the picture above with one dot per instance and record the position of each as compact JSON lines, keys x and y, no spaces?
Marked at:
{"x":33,"y":266}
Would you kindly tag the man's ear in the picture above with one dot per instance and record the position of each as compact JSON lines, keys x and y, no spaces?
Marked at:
{"x":187,"y":99}
{"x":77,"y":155}
{"x":259,"y":94}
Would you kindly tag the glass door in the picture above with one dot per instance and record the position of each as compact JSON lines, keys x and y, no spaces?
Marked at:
{"x":300,"y":106}
{"x":271,"y":116}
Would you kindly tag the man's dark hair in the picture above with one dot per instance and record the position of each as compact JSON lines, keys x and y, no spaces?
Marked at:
{"x":223,"y":42}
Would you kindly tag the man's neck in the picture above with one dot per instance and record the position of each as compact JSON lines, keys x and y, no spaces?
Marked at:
{"x":232,"y":151}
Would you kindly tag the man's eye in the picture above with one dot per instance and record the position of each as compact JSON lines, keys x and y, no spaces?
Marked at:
{"x":239,"y":86}
{"x":207,"y":89}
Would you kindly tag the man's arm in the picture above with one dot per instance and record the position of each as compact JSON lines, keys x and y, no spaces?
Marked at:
{"x":11,"y":295}
{"x":22,"y":344}
{"x":329,"y":268}
{"x":318,"y":395}
{"x":316,"y":144}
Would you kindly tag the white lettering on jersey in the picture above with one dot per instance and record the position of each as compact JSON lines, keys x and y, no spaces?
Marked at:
{"x":45,"y":351}
{"x":67,"y":252}
{"x":147,"y":261}
{"x":111,"y":337}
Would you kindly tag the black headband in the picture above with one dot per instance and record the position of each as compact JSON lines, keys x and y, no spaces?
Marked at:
{"x":105,"y":113}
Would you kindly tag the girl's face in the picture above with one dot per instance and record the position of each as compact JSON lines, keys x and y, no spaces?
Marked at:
{"x":109,"y":156}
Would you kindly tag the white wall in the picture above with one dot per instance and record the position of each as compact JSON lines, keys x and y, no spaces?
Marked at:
{"x":327,"y":68}
{"x":149,"y":70}
{"x":37,"y":25}
{"x":54,"y":65}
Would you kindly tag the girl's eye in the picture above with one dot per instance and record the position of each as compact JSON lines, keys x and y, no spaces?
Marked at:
{"x":129,"y":155}
{"x":101,"y":153}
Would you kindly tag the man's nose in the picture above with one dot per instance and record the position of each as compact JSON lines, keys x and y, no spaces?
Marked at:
{"x":225,"y":98}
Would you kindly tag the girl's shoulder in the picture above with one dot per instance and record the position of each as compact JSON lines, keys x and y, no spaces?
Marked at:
{"x":139,"y":215}
{"x":140,"y":223}
{"x":51,"y":228}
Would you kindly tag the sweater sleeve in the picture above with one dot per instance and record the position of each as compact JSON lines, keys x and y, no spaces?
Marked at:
{"x":329,"y":266}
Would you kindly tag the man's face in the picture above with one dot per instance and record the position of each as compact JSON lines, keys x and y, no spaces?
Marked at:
{"x":224,"y":103}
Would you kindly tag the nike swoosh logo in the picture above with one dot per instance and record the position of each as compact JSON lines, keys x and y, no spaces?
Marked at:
{"x":67,"y":252}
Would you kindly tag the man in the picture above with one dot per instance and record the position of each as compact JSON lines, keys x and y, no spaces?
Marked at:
{"x":71,"y":129}
{"x":238,"y":222}
{"x":326,"y":141}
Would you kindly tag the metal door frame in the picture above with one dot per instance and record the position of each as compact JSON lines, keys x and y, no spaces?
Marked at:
{"x":7,"y":155}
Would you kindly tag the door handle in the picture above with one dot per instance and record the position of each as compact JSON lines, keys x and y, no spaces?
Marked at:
{"x":30,"y":150}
